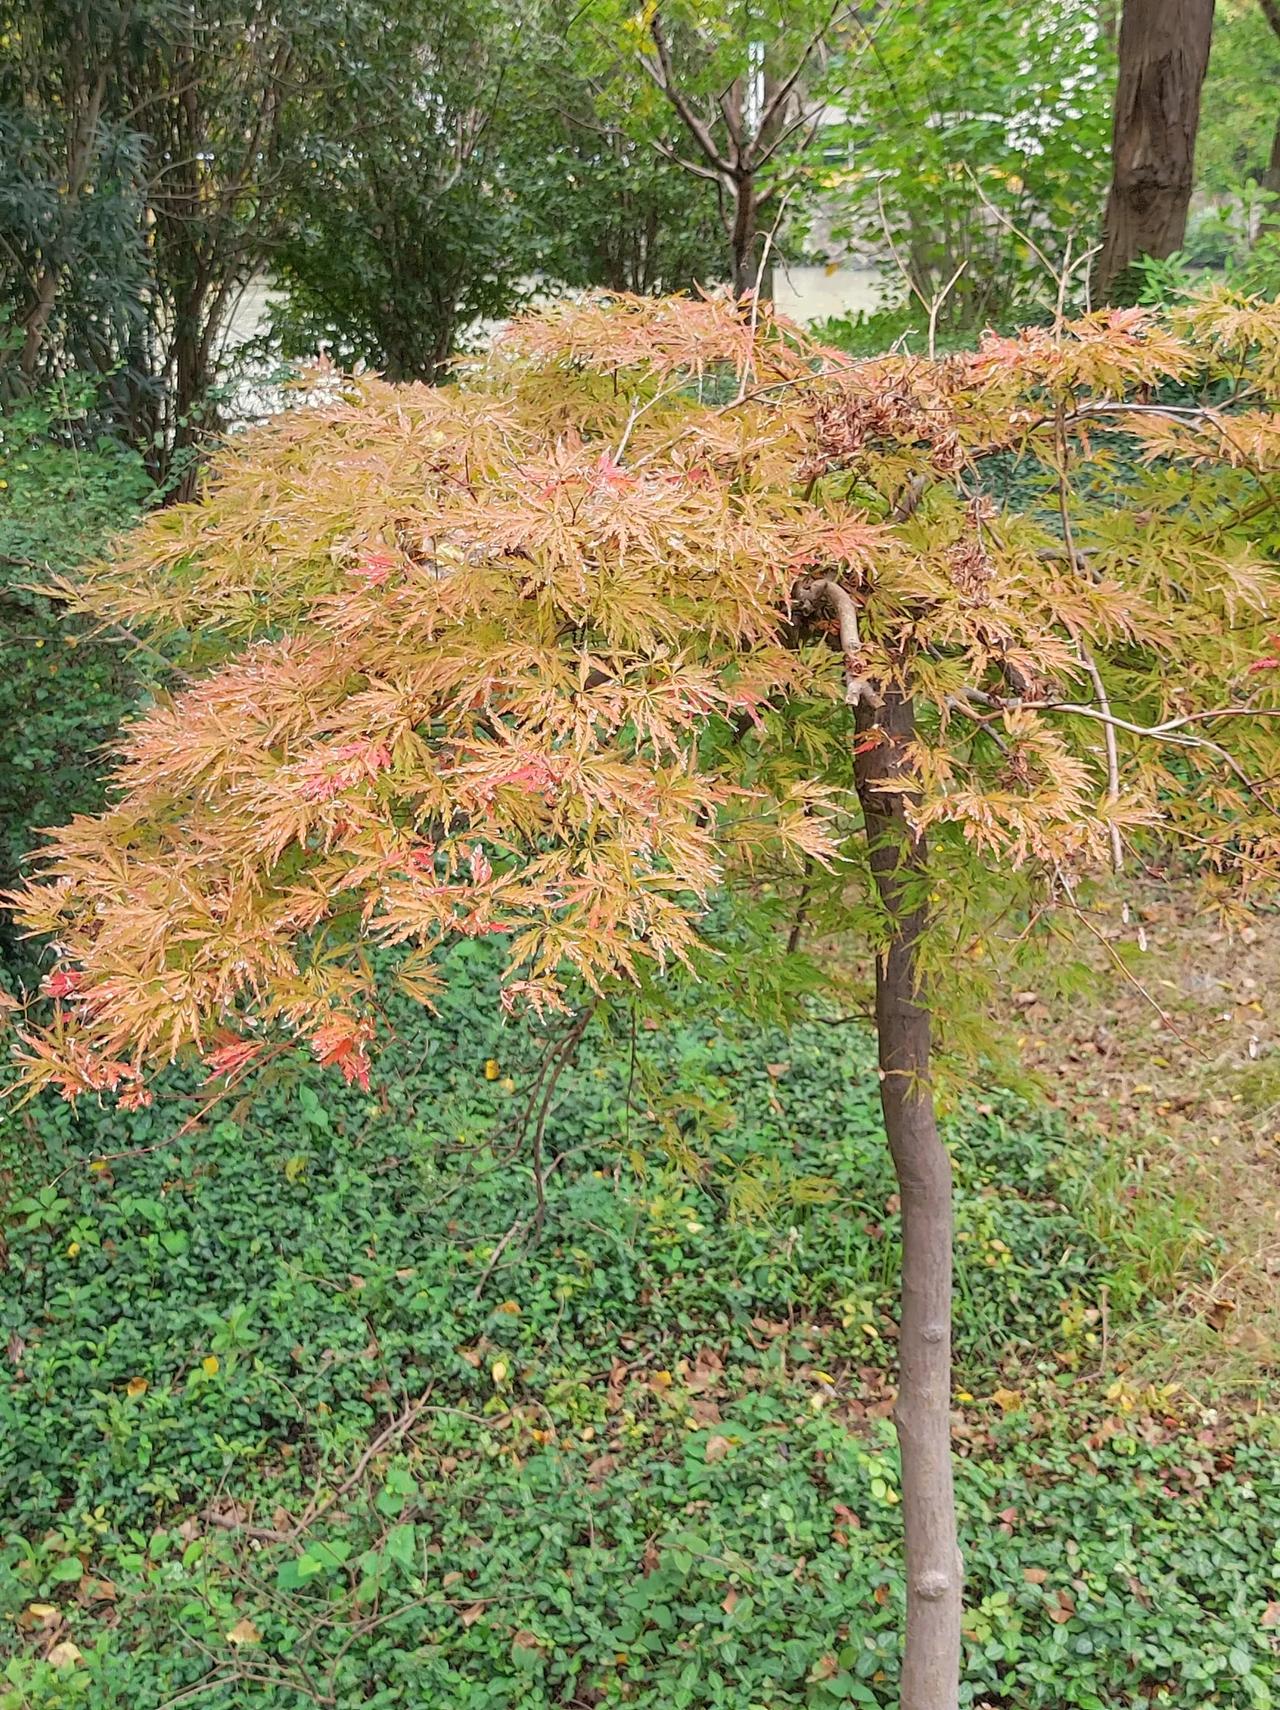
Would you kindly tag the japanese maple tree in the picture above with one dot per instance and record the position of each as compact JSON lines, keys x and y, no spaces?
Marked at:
{"x":658,"y":599}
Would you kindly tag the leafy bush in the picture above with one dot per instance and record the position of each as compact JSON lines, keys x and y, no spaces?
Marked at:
{"x":63,"y":692}
{"x":976,"y":144}
{"x":1220,"y":245}
{"x":642,"y":1460}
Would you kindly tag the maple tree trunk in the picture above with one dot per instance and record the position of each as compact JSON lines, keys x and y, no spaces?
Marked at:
{"x":1164,"y":52}
{"x":922,"y":1415}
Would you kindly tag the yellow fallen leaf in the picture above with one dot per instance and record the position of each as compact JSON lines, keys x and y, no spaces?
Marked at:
{"x":244,"y":1633}
{"x":210,"y":1365}
{"x":498,"y":1371}
{"x":136,"y":1386}
{"x":64,"y":1655}
{"x":492,"y":1069}
{"x":1007,"y":1400}
{"x":73,"y":1249}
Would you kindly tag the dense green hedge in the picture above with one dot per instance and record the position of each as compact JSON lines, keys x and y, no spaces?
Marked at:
{"x":63,"y":692}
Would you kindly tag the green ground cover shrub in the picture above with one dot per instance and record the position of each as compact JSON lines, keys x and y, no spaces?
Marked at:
{"x":642,"y":1459}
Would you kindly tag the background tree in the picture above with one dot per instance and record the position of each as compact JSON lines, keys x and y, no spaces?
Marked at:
{"x":1237,"y":109}
{"x":557,"y":654}
{"x":400,"y":226}
{"x":73,"y":256}
{"x":969,"y":138}
{"x":1270,"y":179}
{"x":143,"y":204}
{"x":1164,"y":52}
{"x":602,"y":205}
{"x":66,"y":690}
{"x":726,"y":97}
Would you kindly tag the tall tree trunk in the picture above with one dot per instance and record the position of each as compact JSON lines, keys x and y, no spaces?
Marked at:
{"x":931,"y":1658}
{"x":1164,"y":51}
{"x":1270,"y":183}
{"x":742,"y":236}
{"x":1270,"y":221}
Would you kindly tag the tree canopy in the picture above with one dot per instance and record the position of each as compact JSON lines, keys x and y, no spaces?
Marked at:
{"x":546,"y":653}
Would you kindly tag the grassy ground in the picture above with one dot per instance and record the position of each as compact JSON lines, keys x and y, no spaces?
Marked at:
{"x":1171,"y":1050}
{"x":303,"y":1409}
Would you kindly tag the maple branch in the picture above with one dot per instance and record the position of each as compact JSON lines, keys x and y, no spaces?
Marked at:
{"x":858,"y":690}
{"x":1164,"y":732}
{"x":1083,"y":651}
{"x":908,"y":501}
{"x":1163,"y":729}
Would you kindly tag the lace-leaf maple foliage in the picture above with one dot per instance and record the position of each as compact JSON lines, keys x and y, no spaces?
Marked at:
{"x":560,"y":650}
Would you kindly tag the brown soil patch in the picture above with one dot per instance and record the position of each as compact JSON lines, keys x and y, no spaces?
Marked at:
{"x":1174,"y":1053}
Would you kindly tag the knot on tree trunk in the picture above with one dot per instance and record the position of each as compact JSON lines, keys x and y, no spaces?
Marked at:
{"x":933,"y":1585}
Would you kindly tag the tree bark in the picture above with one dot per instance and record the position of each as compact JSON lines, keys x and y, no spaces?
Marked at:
{"x":1270,"y":183}
{"x":742,"y":237}
{"x":1164,"y":52}
{"x":922,"y":1416}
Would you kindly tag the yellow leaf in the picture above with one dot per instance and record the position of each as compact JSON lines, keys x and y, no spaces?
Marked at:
{"x":1007,"y":1400}
{"x":64,"y":1655}
{"x":136,"y":1386}
{"x":210,"y":1365}
{"x":244,"y":1633}
{"x":492,"y":1069}
{"x":73,"y":1249}
{"x":498,"y":1371}
{"x":295,"y":1168}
